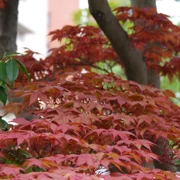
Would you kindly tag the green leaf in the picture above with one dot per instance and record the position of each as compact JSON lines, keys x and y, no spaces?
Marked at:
{"x":10,"y":54}
{"x":2,"y":160}
{"x":8,"y":161}
{"x":38,"y":169}
{"x":4,"y":125}
{"x":12,"y":70}
{"x":2,"y":71}
{"x":34,"y":169}
{"x":23,"y":68}
{"x":24,"y":153}
{"x":3,"y":83}
{"x":29,"y":170}
{"x":3,"y":95}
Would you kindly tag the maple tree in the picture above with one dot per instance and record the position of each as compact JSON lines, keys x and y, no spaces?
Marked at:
{"x":84,"y":123}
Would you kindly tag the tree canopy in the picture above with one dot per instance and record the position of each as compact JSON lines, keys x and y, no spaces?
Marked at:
{"x":72,"y":123}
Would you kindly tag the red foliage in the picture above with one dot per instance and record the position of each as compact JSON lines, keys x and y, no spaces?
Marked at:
{"x":2,"y":3}
{"x":36,"y":69}
{"x":86,"y":123}
{"x":83,"y":46}
{"x":157,"y":31}
{"x":153,"y":34}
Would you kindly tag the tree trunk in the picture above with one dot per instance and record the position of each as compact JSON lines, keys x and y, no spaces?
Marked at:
{"x":8,"y":26}
{"x":132,"y":59}
{"x":152,"y":77}
{"x":143,"y":3}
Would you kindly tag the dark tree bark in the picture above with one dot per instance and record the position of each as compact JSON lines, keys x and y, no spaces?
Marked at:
{"x":132,"y":59}
{"x":8,"y":26}
{"x":143,"y":3}
{"x":152,"y":76}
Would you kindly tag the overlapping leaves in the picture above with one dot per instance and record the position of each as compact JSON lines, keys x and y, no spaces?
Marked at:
{"x":9,"y":70}
{"x":87,"y":122}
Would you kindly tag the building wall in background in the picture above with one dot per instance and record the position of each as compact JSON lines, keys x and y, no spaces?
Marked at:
{"x":60,"y":14}
{"x":33,"y":25}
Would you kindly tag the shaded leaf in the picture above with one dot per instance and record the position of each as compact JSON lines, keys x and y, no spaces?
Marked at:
{"x":4,"y":125}
{"x":2,"y":71}
{"x":23,"y":69}
{"x":3,"y":95}
{"x":10,"y":54}
{"x":12,"y":70}
{"x":24,"y":153}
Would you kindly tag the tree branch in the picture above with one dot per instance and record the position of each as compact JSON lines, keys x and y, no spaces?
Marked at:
{"x":8,"y":26}
{"x":132,"y":59}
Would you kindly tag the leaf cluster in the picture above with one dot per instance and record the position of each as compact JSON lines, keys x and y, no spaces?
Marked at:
{"x":9,"y":70}
{"x":84,"y":122}
{"x":152,"y":33}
